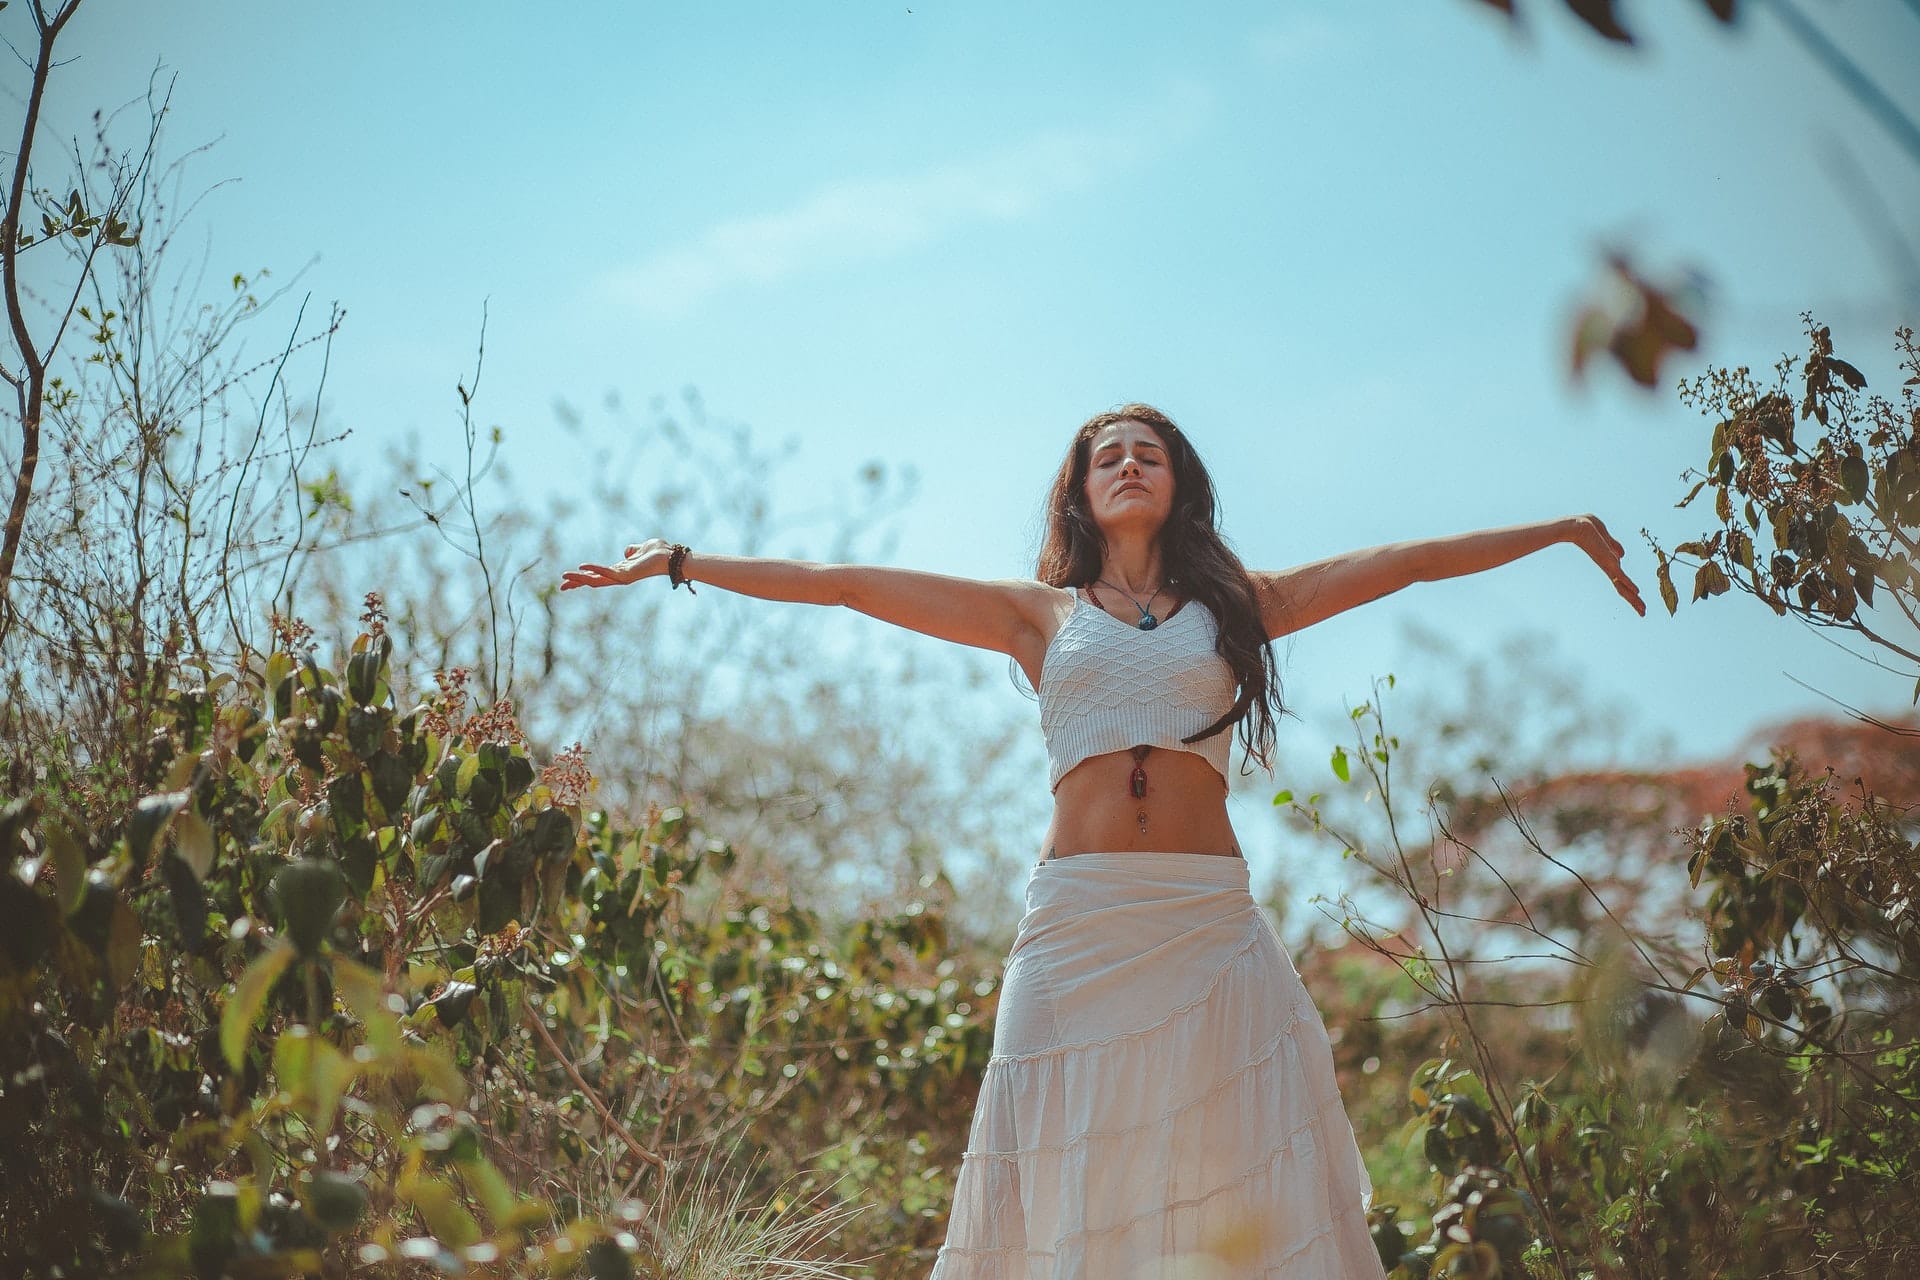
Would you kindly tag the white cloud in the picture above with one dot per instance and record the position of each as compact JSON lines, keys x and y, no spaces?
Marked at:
{"x":853,"y":219}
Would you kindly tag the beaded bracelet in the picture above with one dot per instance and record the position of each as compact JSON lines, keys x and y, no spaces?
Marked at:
{"x":676,"y":556}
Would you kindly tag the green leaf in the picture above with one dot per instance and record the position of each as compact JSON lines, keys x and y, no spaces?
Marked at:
{"x":1284,"y":797}
{"x":193,"y":840}
{"x":188,"y":898}
{"x":293,"y":1057}
{"x":1853,"y":475}
{"x":329,"y":1075}
{"x":606,"y":1260}
{"x":336,"y":1201}
{"x":279,"y":667}
{"x":150,"y":818}
{"x":309,"y":892}
{"x":494,"y":1191}
{"x":363,"y":993}
{"x":453,"y":1002}
{"x":123,"y":944}
{"x":441,"y":1209}
{"x":1340,"y":768}
{"x":243,"y":1007}
{"x":216,"y":1221}
{"x":69,"y":867}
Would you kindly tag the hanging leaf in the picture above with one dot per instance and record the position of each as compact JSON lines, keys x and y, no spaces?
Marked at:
{"x":366,"y":997}
{"x":453,"y":1002}
{"x":150,"y":818}
{"x":336,"y":1200}
{"x":123,"y":944}
{"x":188,"y":898}
{"x":440,"y":1208}
{"x":605,"y":1259}
{"x":249,"y":994}
{"x":216,"y":1221}
{"x":308,"y":892}
{"x":1854,"y":477}
{"x":1340,"y":766}
{"x":1664,"y":574}
{"x":1848,"y":374}
{"x":1709,"y":580}
{"x":193,"y":841}
{"x":69,"y":868}
{"x":1599,"y":15}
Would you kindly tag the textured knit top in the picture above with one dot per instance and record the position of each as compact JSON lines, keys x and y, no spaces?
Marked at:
{"x":1107,"y":686}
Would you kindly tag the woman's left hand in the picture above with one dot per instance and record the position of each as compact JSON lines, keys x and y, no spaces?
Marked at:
{"x":1592,"y":537}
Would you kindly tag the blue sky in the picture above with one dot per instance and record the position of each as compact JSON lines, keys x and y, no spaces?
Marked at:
{"x":1338,"y":242}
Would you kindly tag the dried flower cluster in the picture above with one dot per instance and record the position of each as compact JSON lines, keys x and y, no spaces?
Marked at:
{"x":568,"y":776}
{"x":374,"y":616}
{"x":448,"y":702}
{"x":496,"y":723}
{"x":293,"y":634}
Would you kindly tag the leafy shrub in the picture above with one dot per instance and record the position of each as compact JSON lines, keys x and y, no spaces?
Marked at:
{"x":356,"y":985}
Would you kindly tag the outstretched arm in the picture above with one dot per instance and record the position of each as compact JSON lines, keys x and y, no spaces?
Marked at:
{"x":1010,"y":616}
{"x":1296,"y":598}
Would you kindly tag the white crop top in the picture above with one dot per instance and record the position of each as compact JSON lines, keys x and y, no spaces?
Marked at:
{"x":1106,"y":686}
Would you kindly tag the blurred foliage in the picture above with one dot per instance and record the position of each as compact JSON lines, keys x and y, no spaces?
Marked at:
{"x":1603,"y":16}
{"x":362,"y":985}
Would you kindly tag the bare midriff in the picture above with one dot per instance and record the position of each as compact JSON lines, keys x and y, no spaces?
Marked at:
{"x":1185,"y":805}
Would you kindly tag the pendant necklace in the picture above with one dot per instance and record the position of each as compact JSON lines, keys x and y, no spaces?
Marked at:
{"x":1137,"y":780}
{"x":1147,"y":621}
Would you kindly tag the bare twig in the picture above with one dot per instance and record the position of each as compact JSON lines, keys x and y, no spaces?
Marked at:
{"x":539,"y":1026}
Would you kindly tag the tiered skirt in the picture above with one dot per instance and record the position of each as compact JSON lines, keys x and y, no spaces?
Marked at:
{"x":1161,"y":1100}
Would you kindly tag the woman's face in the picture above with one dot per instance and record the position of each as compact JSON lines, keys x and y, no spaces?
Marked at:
{"x":1129,"y":479}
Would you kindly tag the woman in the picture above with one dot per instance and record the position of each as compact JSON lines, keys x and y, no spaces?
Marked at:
{"x":1161,"y":1085}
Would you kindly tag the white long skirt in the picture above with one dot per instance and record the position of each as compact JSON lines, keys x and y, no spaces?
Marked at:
{"x":1160,"y":1101}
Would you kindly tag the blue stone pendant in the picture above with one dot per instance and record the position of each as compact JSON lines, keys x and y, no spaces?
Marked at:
{"x":1147,"y":621}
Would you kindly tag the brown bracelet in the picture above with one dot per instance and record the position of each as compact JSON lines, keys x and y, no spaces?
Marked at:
{"x":677,"y":556}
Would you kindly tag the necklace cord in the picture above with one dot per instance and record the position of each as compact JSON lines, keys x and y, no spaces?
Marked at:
{"x":1147,"y":621}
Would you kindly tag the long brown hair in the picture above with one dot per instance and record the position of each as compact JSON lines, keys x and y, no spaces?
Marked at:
{"x":1193,"y":557}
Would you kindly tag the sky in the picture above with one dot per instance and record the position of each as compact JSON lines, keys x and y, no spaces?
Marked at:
{"x":1340,"y":243}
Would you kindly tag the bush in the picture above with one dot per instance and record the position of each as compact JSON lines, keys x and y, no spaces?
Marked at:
{"x":360,"y":986}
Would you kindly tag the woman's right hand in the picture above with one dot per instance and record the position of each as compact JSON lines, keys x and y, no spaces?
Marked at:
{"x":640,"y":560}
